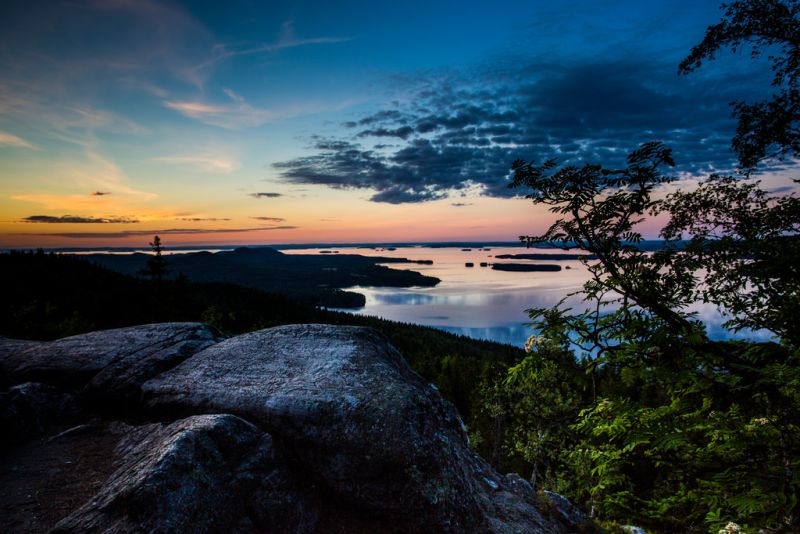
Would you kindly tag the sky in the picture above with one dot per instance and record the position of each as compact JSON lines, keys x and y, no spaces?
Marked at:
{"x":245,"y":122}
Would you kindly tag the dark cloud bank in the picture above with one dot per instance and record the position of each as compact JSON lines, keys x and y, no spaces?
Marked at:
{"x":167,"y":231}
{"x":73,"y":219}
{"x":462,"y":133}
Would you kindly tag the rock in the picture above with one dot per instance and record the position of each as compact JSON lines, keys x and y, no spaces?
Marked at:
{"x":8,"y":348}
{"x":353,"y":413}
{"x":301,"y":428}
{"x":207,"y":473}
{"x":569,"y":513}
{"x":520,"y":486}
{"x":45,"y":480}
{"x":113,"y":363}
{"x":348,"y":407}
{"x":28,"y":410}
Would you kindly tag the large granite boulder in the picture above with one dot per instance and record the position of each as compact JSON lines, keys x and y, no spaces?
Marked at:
{"x":349,"y":409}
{"x":301,"y":428}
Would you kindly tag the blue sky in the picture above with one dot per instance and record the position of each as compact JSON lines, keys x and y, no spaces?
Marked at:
{"x":363,"y":121}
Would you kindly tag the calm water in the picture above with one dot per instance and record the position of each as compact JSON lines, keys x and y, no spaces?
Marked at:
{"x":478,"y":301}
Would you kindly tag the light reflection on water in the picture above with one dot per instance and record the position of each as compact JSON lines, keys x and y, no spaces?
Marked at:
{"x":480,"y":302}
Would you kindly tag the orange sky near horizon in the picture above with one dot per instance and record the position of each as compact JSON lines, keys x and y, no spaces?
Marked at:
{"x":332,"y":217}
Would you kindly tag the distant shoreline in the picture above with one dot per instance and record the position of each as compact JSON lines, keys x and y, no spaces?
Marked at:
{"x":645,"y":245}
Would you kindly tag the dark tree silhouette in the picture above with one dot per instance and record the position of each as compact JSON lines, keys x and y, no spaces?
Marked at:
{"x":770,"y":128}
{"x":686,"y":432}
{"x":156,"y":265}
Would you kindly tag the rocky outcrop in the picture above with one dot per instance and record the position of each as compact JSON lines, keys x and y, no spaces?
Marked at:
{"x":111,"y":363}
{"x":349,"y":408}
{"x":204,"y":474}
{"x":301,"y":428}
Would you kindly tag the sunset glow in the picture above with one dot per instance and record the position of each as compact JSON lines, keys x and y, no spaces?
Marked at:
{"x":211,"y":123}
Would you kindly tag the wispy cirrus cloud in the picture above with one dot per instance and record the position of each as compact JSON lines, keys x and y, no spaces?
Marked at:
{"x":237,"y":113}
{"x":77,"y":219}
{"x":233,"y":115}
{"x":287,"y":38}
{"x":7,"y":139}
{"x":204,"y":163}
{"x":111,"y":192}
{"x":269,"y":219}
{"x":150,"y":37}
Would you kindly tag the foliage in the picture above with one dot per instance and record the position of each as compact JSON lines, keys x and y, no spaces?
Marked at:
{"x":770,"y":128}
{"x":535,"y":408}
{"x":748,"y":243}
{"x":682,"y":432}
{"x":600,"y":208}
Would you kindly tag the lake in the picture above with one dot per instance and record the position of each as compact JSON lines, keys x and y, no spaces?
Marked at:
{"x":481,"y":302}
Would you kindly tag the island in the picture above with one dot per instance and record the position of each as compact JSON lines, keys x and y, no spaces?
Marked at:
{"x":525,"y":267}
{"x":550,"y":257}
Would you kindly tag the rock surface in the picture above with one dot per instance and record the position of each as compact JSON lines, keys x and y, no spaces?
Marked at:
{"x":206,"y":471}
{"x":568,"y":511}
{"x":350,"y":409}
{"x":301,"y":428}
{"x":29,"y":410}
{"x":112,"y":363}
{"x":11,"y":347}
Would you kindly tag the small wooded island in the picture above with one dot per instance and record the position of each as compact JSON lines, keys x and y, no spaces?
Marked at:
{"x":526,"y":267}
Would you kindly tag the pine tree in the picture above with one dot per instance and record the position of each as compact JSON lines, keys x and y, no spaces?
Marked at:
{"x":156,"y":265}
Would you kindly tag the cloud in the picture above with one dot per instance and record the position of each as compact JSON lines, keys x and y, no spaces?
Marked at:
{"x":287,"y":38}
{"x":7,"y":139}
{"x":201,"y":219}
{"x":238,"y":114}
{"x":96,"y":172}
{"x":266,"y":195}
{"x":460,"y":204}
{"x":100,"y":193}
{"x":205,"y":163}
{"x":269,"y":219}
{"x":403,"y":132}
{"x":149,"y":37}
{"x":73,"y":219}
{"x":168,"y":231}
{"x":462,"y":131}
